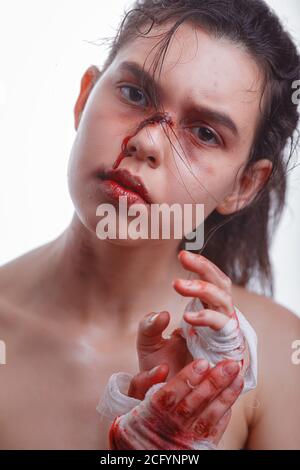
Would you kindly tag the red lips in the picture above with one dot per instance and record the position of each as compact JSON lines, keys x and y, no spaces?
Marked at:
{"x":128,"y":181}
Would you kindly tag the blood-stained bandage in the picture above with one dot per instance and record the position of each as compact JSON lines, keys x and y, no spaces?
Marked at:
{"x":231,"y":342}
{"x":145,"y":427}
{"x":131,"y":418}
{"x":135,"y":424}
{"x":115,"y":401}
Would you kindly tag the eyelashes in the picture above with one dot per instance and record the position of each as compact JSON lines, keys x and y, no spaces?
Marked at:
{"x":207,"y":134}
{"x":136,"y":91}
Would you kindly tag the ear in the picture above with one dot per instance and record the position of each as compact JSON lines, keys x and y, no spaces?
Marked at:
{"x":247,"y":187}
{"x":88,"y":81}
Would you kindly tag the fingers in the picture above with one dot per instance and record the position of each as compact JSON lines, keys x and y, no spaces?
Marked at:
{"x":214,"y":288}
{"x":216,"y":410}
{"x":207,"y":270}
{"x":207,"y":292}
{"x":214,"y":383}
{"x":204,"y":430}
{"x":150,"y":330}
{"x":188,"y":400}
{"x":141,"y":382}
{"x":179,"y":386}
{"x":206,"y":317}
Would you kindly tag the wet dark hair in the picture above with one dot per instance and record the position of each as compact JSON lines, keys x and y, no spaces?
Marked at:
{"x":239,"y":243}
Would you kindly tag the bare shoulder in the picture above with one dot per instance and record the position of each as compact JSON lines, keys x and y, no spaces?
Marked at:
{"x":20,"y":280}
{"x":18,"y":276}
{"x":277,"y":413}
{"x":277,"y":329}
{"x":266,"y":316}
{"x":17,"y":268}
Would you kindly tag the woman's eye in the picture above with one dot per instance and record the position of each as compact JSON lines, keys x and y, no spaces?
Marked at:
{"x":133,"y":94}
{"x":206,"y":135}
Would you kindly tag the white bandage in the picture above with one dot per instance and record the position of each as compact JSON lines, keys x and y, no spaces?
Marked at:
{"x":228,"y":343}
{"x":115,"y":401}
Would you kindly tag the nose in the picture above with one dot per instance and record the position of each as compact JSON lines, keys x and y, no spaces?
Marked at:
{"x":149,"y":140}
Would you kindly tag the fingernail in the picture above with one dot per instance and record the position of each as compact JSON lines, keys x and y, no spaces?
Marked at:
{"x":192,"y":314}
{"x":186,"y":283}
{"x":152,"y":317}
{"x":200,"y":366}
{"x":199,"y":314}
{"x":153,"y":371}
{"x":231,"y":368}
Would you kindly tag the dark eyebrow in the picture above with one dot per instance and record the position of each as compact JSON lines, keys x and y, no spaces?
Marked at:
{"x":143,"y":76}
{"x":217,"y":117}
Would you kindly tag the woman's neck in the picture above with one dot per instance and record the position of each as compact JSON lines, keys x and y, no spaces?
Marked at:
{"x":107,"y":281}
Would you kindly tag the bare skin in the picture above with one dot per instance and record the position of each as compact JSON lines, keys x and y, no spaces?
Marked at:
{"x":58,"y":362}
{"x":70,"y":310}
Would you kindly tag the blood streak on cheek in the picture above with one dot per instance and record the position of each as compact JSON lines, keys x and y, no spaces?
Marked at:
{"x":122,"y":154}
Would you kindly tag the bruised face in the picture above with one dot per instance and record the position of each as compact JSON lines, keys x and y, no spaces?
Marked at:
{"x":195,"y":149}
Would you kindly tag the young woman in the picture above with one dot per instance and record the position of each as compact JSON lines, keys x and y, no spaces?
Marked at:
{"x":70,"y":310}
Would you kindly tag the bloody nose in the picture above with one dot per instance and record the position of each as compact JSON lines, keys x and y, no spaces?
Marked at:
{"x":156,"y":118}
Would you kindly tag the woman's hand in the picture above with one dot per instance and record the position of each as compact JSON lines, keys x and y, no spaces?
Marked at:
{"x":214,"y":289}
{"x":171,"y":354}
{"x":153,"y":349}
{"x":194,"y":406}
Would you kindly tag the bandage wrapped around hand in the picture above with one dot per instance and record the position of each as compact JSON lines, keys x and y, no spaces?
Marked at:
{"x":230,"y":342}
{"x":146,"y":427}
{"x":133,"y":415}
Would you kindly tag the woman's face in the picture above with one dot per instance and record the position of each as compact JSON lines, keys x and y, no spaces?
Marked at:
{"x":209,"y":87}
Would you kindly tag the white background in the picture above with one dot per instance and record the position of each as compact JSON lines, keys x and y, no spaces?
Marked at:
{"x":45,"y":48}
